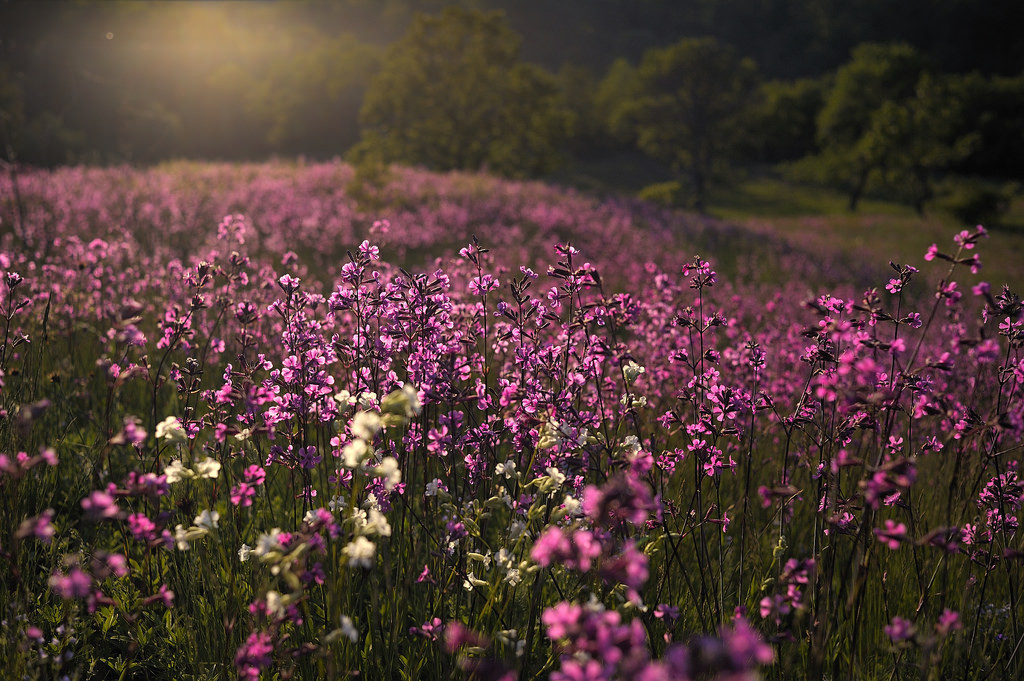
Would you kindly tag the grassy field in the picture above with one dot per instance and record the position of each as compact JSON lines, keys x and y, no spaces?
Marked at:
{"x":762,"y":201}
{"x":269,"y":421}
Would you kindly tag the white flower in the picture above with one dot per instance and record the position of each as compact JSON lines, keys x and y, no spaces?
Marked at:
{"x":367,"y":400}
{"x":516,"y":529}
{"x":388,"y":469}
{"x":484,"y":558}
{"x":359,"y":519}
{"x":414,"y":403}
{"x":181,"y":537}
{"x":344,"y":399}
{"x":377,"y":523}
{"x":360,"y":552}
{"x":513,"y":577}
{"x":275,"y":603}
{"x":243,"y":435}
{"x":571,"y":505}
{"x":208,"y":468}
{"x":175,"y":472}
{"x":508,"y":469}
{"x":354,"y":452}
{"x":170,"y":429}
{"x":631,"y":445}
{"x":467,"y":583}
{"x":432,"y":487}
{"x":550,"y":435}
{"x":207,"y":520}
{"x":244,"y":552}
{"x":365,"y":425}
{"x":555,"y":479}
{"x":336,"y":503}
{"x":348,"y":629}
{"x":404,"y":403}
{"x":632,"y":371}
{"x":268,"y":542}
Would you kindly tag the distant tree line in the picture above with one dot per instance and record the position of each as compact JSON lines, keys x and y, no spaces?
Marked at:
{"x":451,"y":89}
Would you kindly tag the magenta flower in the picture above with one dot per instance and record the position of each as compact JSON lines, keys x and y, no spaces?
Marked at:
{"x":41,"y":527}
{"x":899,"y":630}
{"x":74,"y":584}
{"x":99,"y":506}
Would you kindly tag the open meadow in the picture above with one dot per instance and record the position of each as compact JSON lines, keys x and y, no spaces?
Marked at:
{"x":290,"y":420}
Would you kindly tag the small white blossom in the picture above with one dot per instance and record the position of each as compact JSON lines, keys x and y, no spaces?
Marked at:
{"x":631,"y":444}
{"x":176,"y":472}
{"x":556,"y":475}
{"x":470,"y":582}
{"x":171,"y":429}
{"x":268,"y":542}
{"x":181,"y":538}
{"x":513,"y":577}
{"x":432,"y":487}
{"x":571,"y":505}
{"x":208,"y":468}
{"x":360,"y":552}
{"x":348,"y":629}
{"x":508,"y":469}
{"x":365,"y":425}
{"x":632,"y":371}
{"x":207,"y":520}
{"x":377,"y":523}
{"x":243,"y":435}
{"x":388,"y":469}
{"x":244,"y":552}
{"x":275,"y":603}
{"x":354,"y":453}
{"x":404,"y":403}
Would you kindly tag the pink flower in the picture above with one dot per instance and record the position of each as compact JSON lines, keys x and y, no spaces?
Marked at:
{"x":899,"y":630}
{"x":74,"y":584}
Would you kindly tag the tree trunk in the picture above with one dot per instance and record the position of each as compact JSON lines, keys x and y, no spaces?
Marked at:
{"x":857,"y":191}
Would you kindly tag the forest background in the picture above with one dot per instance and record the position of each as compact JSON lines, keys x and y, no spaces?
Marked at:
{"x":918,"y":101}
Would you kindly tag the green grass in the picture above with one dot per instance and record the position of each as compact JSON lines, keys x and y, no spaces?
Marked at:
{"x":878,"y":229}
{"x":762,"y":201}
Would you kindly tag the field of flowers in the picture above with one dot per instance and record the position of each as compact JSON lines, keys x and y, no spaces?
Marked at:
{"x":283,"y":421}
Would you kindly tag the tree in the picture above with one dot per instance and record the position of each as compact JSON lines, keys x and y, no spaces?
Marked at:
{"x":688,"y":112}
{"x":782,"y":122}
{"x":890,"y":121}
{"x":613,"y":101}
{"x":452,"y":94}
{"x":851,"y":149}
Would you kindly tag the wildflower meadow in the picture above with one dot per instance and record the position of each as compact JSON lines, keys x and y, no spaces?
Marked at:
{"x":292,"y":422}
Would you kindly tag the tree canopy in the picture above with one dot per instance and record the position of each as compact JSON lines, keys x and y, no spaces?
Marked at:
{"x":452,"y":94}
{"x":690,"y":100}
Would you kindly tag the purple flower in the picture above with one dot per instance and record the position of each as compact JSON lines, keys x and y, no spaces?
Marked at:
{"x":899,"y":630}
{"x":74,"y":584}
{"x":100,"y":505}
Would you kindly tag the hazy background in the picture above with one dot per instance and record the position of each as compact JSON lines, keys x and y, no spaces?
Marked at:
{"x":580,"y":84}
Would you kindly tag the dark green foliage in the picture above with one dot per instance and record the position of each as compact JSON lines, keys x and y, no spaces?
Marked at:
{"x":452,"y":94}
{"x":782,"y":123}
{"x":689,"y":107}
{"x":888,"y":121}
{"x":975,"y":202}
